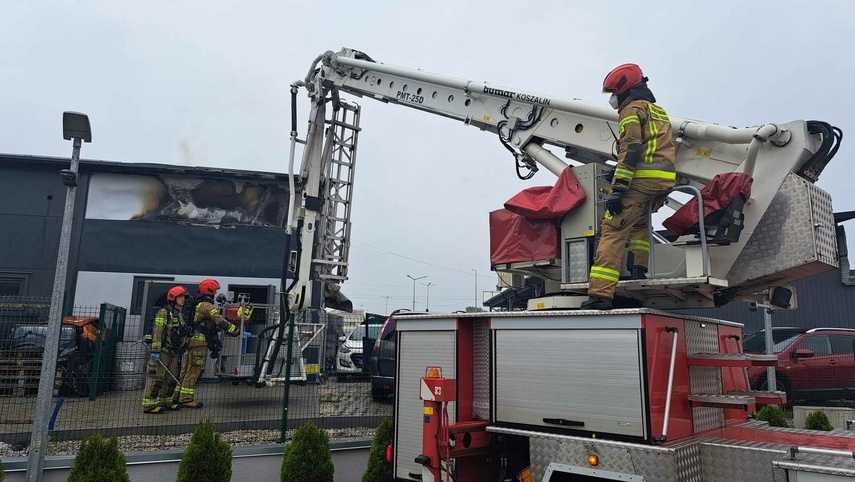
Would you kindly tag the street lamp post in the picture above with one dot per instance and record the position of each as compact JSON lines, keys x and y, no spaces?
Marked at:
{"x":414,"y":288}
{"x":427,"y":302}
{"x":386,"y":312}
{"x":476,"y":288}
{"x":75,"y":128}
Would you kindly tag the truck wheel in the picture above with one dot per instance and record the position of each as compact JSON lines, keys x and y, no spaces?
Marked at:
{"x":781,"y":384}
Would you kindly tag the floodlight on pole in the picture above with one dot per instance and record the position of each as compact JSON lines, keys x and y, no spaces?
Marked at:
{"x":414,"y":288}
{"x":75,"y":127}
{"x":427,"y":300}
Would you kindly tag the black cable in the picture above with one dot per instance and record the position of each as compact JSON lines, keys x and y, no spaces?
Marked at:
{"x":510,"y":149}
{"x":831,"y":137}
{"x":542,"y":273}
{"x":615,"y":143}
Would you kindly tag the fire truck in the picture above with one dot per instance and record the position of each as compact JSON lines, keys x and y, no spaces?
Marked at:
{"x":556,"y":393}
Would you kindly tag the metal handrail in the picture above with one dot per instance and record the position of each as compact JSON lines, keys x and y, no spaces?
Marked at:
{"x":669,"y":392}
{"x":703,"y":232}
{"x":812,"y":450}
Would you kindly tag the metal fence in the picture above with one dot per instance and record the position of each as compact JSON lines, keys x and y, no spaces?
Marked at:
{"x":101,"y":376}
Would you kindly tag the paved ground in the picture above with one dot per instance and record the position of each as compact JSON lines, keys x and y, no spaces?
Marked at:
{"x":231,"y":407}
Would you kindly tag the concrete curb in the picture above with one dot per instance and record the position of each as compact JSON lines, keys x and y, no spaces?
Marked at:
{"x":19,"y":464}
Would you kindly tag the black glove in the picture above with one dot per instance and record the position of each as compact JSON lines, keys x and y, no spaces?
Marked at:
{"x":615,"y":203}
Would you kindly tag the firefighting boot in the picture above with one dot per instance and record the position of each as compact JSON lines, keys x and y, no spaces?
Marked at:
{"x":637,"y":272}
{"x":595,"y":302}
{"x":154,"y":409}
{"x":193,"y":404}
{"x":173,"y":405}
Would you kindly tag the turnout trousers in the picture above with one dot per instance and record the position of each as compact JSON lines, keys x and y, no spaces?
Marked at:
{"x":159,"y":385}
{"x":627,"y":230}
{"x":191,"y":368}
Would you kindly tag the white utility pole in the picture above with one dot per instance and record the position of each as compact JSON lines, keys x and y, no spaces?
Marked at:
{"x":414,"y":288}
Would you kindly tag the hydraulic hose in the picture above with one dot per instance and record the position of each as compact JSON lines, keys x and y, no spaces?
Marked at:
{"x":763,"y":134}
{"x":292,"y":196}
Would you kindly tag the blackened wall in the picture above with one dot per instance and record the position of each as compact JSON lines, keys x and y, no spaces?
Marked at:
{"x":169,"y":248}
{"x":32,"y":200}
{"x":824,"y":301}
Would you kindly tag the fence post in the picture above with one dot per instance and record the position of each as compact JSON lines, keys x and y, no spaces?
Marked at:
{"x":284,"y":426}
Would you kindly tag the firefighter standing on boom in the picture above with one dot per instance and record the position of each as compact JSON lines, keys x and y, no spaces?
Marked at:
{"x":643,"y":177}
{"x":166,"y":346}
{"x":204,"y":324}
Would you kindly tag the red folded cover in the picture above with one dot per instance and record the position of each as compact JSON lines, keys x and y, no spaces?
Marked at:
{"x":545,"y":202}
{"x":514,"y":238}
{"x":717,"y":195}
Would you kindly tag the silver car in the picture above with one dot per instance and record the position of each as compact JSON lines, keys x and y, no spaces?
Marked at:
{"x":349,"y":359}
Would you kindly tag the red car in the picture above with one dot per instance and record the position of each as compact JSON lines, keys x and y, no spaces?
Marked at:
{"x":816,"y":364}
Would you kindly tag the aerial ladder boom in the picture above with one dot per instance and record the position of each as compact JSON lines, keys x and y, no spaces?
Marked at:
{"x":532,"y":126}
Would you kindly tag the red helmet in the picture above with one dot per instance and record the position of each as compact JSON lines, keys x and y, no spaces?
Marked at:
{"x":623,"y":78}
{"x":208,"y":287}
{"x":175,"y":292}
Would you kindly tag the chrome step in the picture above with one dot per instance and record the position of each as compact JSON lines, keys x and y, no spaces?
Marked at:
{"x":763,"y":397}
{"x":731,"y":360}
{"x":722,"y":401}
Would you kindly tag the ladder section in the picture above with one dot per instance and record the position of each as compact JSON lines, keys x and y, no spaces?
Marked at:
{"x":340,"y":163}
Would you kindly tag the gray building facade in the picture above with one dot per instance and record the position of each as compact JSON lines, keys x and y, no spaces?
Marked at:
{"x":135,"y":222}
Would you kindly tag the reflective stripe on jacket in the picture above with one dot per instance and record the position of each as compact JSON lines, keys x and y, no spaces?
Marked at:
{"x":647,"y":128}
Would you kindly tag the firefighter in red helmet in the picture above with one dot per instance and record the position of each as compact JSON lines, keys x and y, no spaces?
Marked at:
{"x":203,"y":326}
{"x":166,"y":346}
{"x":643,"y":177}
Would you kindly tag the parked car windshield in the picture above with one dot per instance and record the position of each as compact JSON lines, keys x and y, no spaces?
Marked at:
{"x":359,"y":332}
{"x":756,"y":342}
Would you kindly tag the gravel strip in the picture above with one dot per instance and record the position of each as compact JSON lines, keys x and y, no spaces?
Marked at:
{"x":144,"y":443}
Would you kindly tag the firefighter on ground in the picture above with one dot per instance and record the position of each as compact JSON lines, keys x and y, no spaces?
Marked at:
{"x":643,"y":177}
{"x":203,"y":330}
{"x":166,"y":346}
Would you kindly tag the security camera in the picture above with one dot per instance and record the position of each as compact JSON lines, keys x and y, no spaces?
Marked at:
{"x":69,"y":178}
{"x":752,"y":306}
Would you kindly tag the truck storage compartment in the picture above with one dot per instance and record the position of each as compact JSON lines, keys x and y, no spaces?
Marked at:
{"x":422,"y":349}
{"x":578,"y":379}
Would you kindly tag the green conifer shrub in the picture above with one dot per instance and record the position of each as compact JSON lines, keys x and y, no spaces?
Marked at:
{"x":377,"y":465}
{"x":208,"y":457}
{"x":307,"y":457}
{"x":99,"y":460}
{"x":774,"y":415}
{"x":818,"y":421}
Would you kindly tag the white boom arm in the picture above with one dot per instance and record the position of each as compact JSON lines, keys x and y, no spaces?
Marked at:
{"x":528,"y":122}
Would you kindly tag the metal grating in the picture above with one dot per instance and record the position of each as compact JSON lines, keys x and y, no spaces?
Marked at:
{"x":481,"y":369}
{"x":730,"y":462}
{"x":825,"y":235}
{"x":785,"y":239}
{"x":655,"y":465}
{"x":703,"y":338}
{"x":688,"y":459}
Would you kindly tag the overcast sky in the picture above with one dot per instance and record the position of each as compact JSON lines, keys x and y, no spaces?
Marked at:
{"x":206,"y":83}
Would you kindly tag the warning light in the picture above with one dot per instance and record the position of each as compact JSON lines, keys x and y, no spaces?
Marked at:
{"x":433,"y":372}
{"x":389,"y":453}
{"x":593,"y":460}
